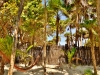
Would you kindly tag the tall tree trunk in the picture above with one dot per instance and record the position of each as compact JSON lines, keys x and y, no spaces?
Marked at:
{"x":93,"y":52}
{"x":10,"y":72}
{"x":98,"y":23}
{"x":44,"y":48}
{"x":57,"y":29}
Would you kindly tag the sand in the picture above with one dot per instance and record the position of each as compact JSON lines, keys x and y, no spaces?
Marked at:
{"x":54,"y":70}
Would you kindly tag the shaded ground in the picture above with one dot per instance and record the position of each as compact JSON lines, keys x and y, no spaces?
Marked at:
{"x":54,"y":70}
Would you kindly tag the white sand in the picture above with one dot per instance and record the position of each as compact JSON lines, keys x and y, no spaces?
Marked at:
{"x":54,"y":70}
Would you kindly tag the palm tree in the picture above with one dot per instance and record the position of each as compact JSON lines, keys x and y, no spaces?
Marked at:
{"x":24,"y":56}
{"x":56,"y":6}
{"x":90,"y":26}
{"x":76,"y":18}
{"x":53,"y":5}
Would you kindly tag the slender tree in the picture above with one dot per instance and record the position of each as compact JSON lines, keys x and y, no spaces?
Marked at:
{"x":14,"y":48}
{"x":45,"y":39}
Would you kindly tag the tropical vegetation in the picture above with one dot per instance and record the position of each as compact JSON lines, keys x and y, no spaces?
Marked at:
{"x":32,"y":22}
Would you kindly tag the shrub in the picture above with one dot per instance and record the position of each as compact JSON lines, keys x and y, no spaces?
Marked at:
{"x":88,"y":72}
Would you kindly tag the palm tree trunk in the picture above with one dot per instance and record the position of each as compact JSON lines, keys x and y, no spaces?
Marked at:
{"x":57,"y":29}
{"x":10,"y":72}
{"x":93,"y":53}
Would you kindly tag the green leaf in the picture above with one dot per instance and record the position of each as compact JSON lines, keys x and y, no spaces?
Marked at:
{"x":29,"y":48}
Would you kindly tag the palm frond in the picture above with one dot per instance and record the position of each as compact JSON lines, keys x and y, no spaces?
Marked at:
{"x":29,"y":48}
{"x":6,"y":45}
